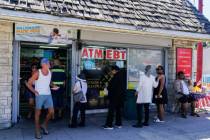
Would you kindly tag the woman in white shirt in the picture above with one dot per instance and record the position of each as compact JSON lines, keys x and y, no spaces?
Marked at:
{"x":144,"y":93}
{"x":80,"y":85}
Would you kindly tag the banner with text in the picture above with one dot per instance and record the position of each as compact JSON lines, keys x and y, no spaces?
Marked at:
{"x":44,"y":33}
{"x":101,"y":53}
{"x":184,"y":61}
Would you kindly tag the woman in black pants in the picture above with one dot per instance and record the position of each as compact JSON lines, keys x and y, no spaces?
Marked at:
{"x":80,"y":84}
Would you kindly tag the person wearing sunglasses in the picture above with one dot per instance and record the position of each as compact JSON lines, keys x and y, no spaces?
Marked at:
{"x":160,"y":95}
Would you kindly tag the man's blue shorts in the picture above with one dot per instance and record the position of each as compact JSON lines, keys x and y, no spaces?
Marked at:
{"x":44,"y":101}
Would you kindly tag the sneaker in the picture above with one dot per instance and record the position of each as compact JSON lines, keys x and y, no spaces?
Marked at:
{"x":118,"y":126}
{"x":44,"y":130}
{"x":38,"y":135}
{"x":158,"y":121}
{"x":195,"y":114}
{"x":138,"y":126}
{"x":108,"y":127}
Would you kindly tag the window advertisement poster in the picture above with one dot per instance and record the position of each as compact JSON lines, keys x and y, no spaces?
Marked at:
{"x":138,"y":59}
{"x":184,"y":61}
{"x":95,"y":63}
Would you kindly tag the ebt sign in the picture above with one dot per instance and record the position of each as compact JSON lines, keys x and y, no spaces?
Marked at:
{"x":100,"y":53}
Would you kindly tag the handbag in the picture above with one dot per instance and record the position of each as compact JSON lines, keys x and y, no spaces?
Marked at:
{"x":79,"y":96}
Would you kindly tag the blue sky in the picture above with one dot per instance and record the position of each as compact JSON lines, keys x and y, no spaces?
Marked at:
{"x":206,"y":8}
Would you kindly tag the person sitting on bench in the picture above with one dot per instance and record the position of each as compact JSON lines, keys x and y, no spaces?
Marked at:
{"x":183,"y":95}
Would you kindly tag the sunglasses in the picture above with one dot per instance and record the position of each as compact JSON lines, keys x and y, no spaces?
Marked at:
{"x":158,"y":69}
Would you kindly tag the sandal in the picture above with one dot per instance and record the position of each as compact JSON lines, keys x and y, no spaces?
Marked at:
{"x":44,"y":130}
{"x":38,"y":135}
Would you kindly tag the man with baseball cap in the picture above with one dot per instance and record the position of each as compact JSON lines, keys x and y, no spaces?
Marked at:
{"x":42,"y":80}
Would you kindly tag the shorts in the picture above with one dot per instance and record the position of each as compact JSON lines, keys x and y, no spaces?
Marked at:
{"x":44,"y":101}
{"x":186,"y":99}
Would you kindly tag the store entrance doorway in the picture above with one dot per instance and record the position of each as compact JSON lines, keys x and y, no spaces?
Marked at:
{"x":30,"y":56}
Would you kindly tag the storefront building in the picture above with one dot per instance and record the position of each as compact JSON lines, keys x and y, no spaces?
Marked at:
{"x":130,"y":40}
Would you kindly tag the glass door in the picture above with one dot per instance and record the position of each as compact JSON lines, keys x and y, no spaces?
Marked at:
{"x":96,"y":62}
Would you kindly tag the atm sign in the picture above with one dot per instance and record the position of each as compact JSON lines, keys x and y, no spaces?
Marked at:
{"x":98,"y":53}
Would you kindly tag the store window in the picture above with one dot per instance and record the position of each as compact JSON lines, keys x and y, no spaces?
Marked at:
{"x":138,"y":59}
{"x":95,"y":63}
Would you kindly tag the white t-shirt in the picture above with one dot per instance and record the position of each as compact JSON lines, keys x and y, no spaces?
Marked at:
{"x":185,"y":88}
{"x":77,"y":88}
{"x":145,"y":88}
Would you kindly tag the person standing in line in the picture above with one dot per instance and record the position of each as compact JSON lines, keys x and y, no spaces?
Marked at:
{"x":29,"y":94}
{"x":144,"y":93}
{"x":80,"y":85}
{"x":58,"y":80}
{"x":42,"y":80}
{"x":115,"y":88}
{"x":160,"y":94}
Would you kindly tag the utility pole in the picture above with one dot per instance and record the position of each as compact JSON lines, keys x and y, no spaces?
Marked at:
{"x":200,"y":6}
{"x":199,"y":51}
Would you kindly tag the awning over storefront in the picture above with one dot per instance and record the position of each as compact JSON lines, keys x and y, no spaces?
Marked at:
{"x":125,"y":38}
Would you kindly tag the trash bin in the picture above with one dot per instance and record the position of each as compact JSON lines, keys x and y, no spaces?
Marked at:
{"x":130,"y":105}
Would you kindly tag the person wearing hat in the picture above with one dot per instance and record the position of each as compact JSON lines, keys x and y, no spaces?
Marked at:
{"x":116,"y":88}
{"x":43,"y":98}
{"x":80,"y":85}
{"x":144,"y":94}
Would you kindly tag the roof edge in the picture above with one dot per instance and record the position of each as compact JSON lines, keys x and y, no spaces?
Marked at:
{"x":19,"y":16}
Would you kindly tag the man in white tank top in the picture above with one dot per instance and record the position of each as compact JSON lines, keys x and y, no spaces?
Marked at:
{"x":42,"y":80}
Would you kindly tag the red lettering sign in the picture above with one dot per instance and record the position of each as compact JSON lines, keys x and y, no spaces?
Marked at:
{"x":184,"y":61}
{"x":92,"y":53}
{"x":123,"y":55}
{"x":84,"y":53}
{"x":98,"y":53}
{"x":109,"y":54}
{"x":115,"y":54}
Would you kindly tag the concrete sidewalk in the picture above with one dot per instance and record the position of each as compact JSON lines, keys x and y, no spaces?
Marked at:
{"x":175,"y":128}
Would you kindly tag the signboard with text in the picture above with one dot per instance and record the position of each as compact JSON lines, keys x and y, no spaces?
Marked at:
{"x":100,"y":53}
{"x":44,"y":33}
{"x":184,"y":61}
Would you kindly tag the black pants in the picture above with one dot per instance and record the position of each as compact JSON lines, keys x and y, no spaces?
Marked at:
{"x":117,"y":110}
{"x":139,"y":108}
{"x":78,"y":107}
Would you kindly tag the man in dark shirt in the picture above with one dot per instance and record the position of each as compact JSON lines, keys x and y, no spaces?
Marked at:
{"x":58,"y":79}
{"x":116,"y":89}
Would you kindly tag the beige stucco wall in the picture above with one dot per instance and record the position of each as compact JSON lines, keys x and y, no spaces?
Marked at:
{"x":5,"y":74}
{"x":177,"y":43}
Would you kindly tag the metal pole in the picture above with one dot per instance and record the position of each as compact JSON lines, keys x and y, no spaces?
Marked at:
{"x":200,"y":6}
{"x":199,"y":51}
